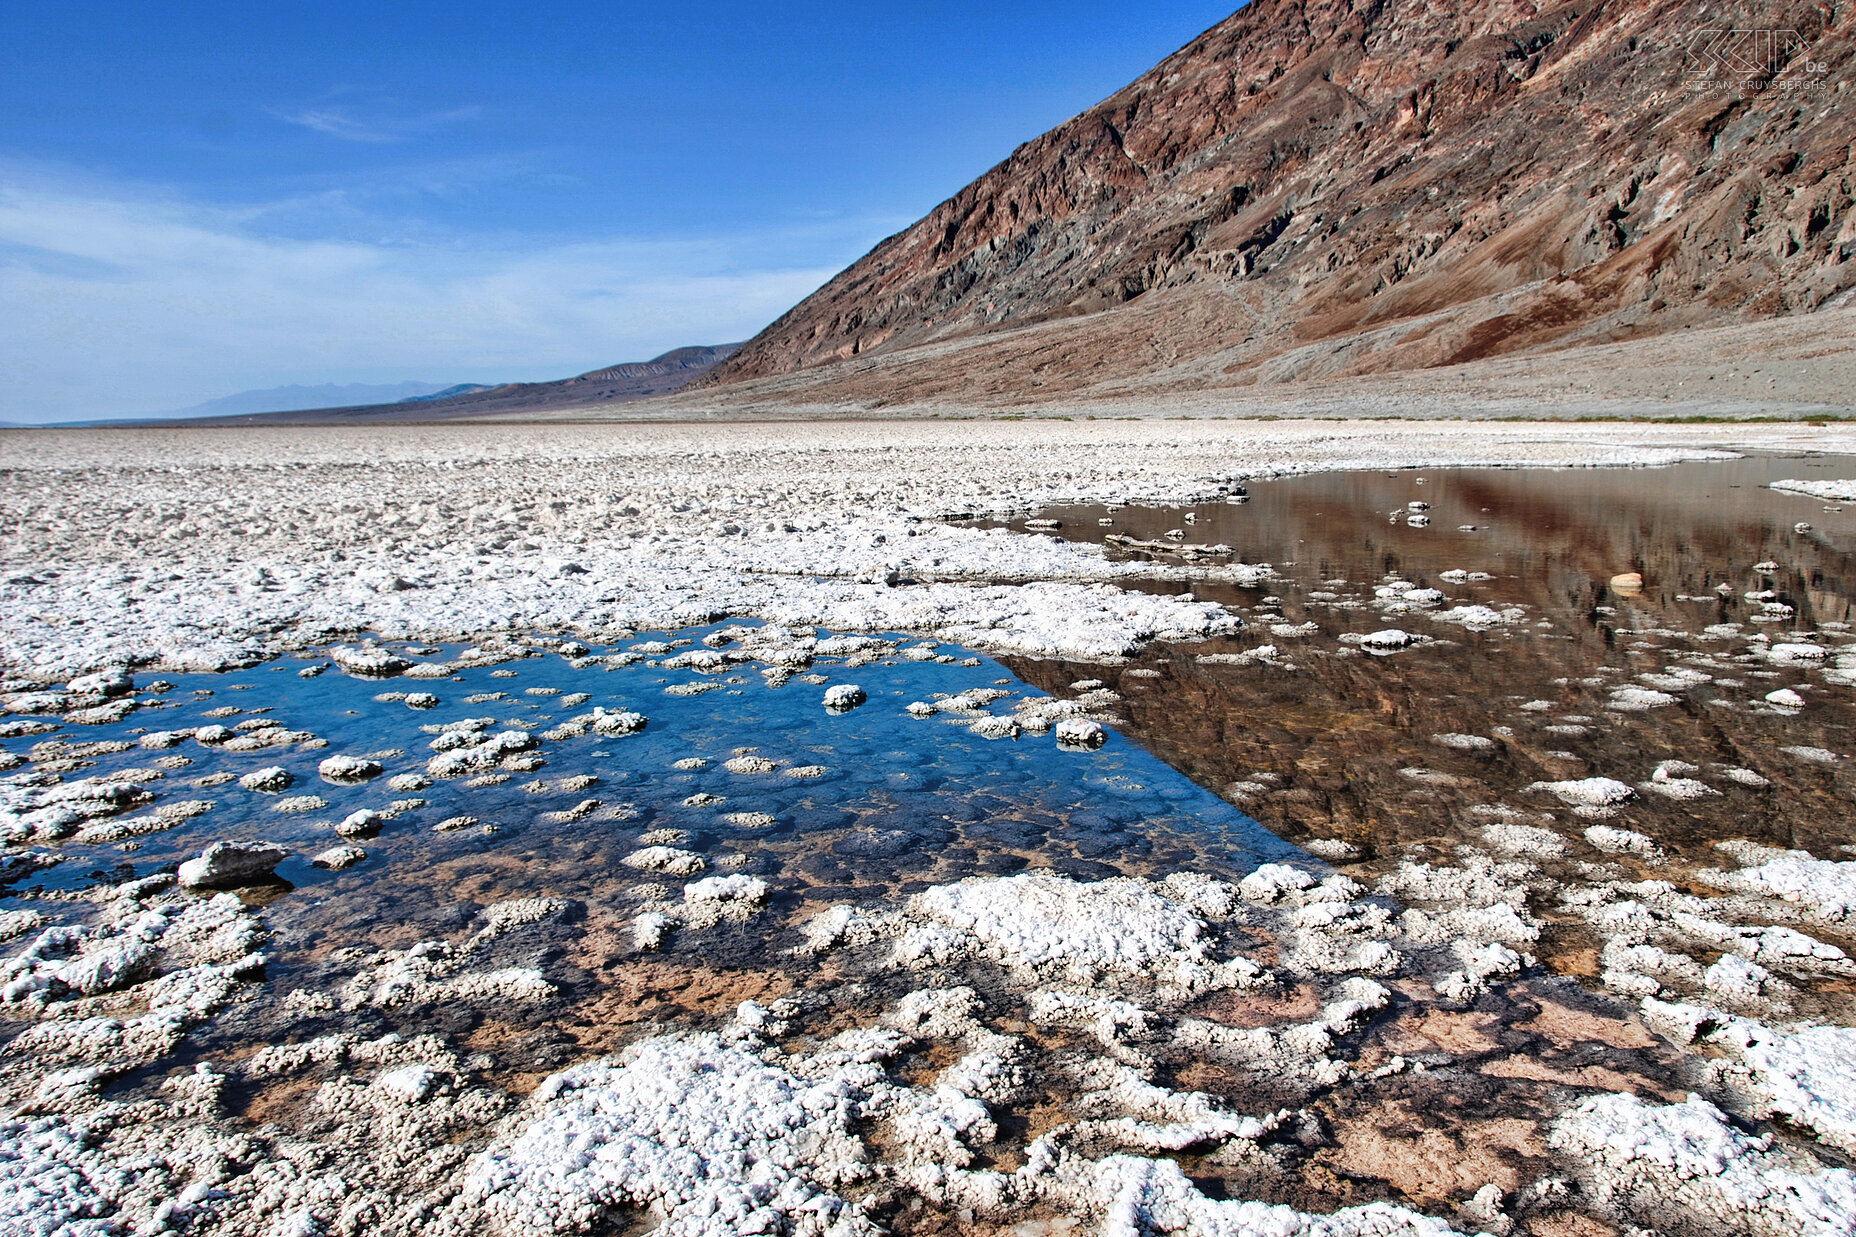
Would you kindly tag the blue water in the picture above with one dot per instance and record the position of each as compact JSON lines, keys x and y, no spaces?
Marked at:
{"x":906,"y":801}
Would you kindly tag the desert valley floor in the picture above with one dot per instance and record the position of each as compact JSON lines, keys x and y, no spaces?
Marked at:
{"x":979,"y":827}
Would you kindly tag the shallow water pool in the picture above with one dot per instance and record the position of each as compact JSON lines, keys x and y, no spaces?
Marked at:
{"x":830,"y":805}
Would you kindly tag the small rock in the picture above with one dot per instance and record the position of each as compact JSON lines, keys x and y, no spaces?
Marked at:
{"x":841,"y":697}
{"x":228,"y":865}
{"x":336,"y":858}
{"x":270,"y":779}
{"x":349,"y":769}
{"x":1081,"y":732}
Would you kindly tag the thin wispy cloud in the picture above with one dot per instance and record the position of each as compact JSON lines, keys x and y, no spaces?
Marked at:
{"x":116,"y":301}
{"x":350,"y":123}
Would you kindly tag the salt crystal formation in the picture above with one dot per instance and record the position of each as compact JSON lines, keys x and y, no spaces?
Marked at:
{"x":230,"y":864}
{"x":168,"y":1076}
{"x":637,"y":527}
{"x":842,"y":696}
{"x":1688,"y":1159}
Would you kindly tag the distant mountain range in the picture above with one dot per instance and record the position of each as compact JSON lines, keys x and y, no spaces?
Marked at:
{"x":323,"y":395}
{"x":428,"y":401}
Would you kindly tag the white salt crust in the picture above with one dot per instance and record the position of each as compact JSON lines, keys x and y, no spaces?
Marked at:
{"x":1686,"y":1158}
{"x":1157,"y":943}
{"x":205,"y":549}
{"x":1330,"y":922}
{"x":1822,"y":889}
{"x":1805,"y":1073}
{"x":708,"y":1133}
{"x":1050,"y":926}
{"x":706,"y":902}
{"x":723,"y":1132}
{"x":1651,"y":931}
{"x":1830,"y":491}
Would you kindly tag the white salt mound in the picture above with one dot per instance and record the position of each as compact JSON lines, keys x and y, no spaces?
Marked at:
{"x":1480,"y":617}
{"x":1136,"y":1196}
{"x":665,"y":859}
{"x":1620,"y":841}
{"x":227,"y":865}
{"x":338,"y":857}
{"x":1588,"y":795}
{"x":746,"y":890}
{"x":749,"y":764}
{"x":349,"y":768}
{"x":1826,"y":889}
{"x":1638,"y":699}
{"x":1272,"y":880}
{"x":841,"y":696}
{"x":1686,"y":1157}
{"x":270,"y":779}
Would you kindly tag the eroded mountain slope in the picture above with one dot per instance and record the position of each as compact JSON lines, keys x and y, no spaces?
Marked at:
{"x":1316,"y":188}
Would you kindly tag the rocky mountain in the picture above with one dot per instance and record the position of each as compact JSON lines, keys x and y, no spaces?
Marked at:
{"x":1320,"y":188}
{"x":615,"y":384}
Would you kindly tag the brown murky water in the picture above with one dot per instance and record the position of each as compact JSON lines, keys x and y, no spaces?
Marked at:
{"x":1324,"y":742}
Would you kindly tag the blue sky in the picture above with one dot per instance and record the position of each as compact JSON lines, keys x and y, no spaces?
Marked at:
{"x":197,"y":199}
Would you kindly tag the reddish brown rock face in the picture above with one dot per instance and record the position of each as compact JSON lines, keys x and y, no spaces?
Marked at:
{"x":1325,"y":187}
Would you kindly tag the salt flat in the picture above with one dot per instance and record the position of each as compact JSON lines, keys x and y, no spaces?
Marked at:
{"x":198,"y":547}
{"x":808,"y":997}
